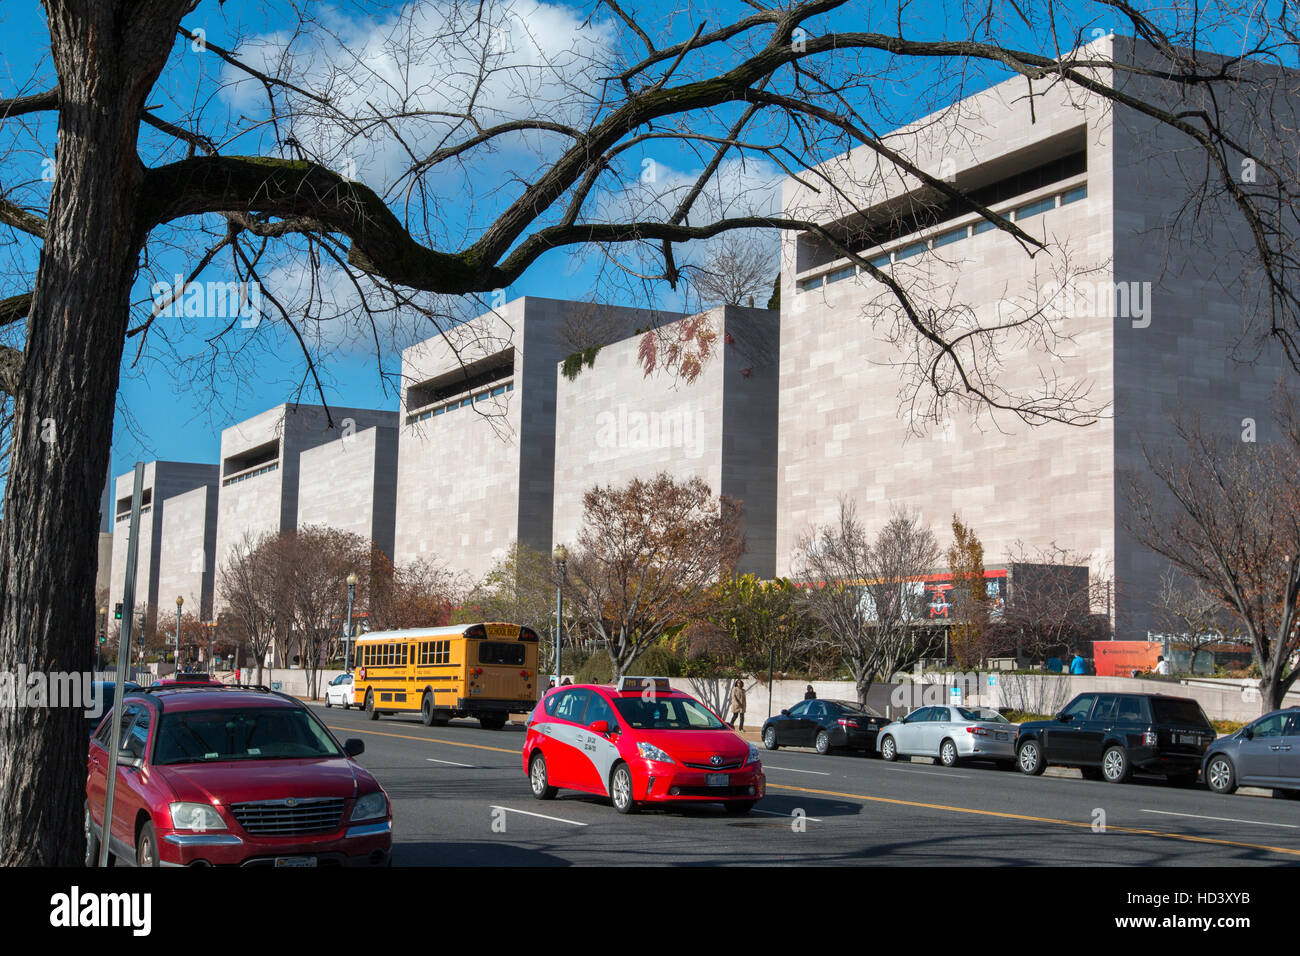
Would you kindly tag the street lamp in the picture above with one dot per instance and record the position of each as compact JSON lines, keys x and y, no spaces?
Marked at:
{"x":179,"y":601}
{"x":347,"y":642}
{"x":561,"y":555}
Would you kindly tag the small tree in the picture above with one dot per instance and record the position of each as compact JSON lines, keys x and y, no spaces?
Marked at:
{"x":647,"y":555}
{"x":248,"y":591}
{"x":970,"y":630}
{"x":520,"y":589}
{"x":420,"y":593}
{"x":1226,"y":514}
{"x":737,"y":272}
{"x":1055,"y":601}
{"x":867,"y":595}
{"x":1186,"y":611}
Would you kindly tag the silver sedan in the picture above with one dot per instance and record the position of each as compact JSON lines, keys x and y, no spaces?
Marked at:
{"x":950,"y":735}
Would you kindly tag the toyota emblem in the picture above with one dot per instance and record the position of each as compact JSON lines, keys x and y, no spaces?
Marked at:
{"x":715,"y":760}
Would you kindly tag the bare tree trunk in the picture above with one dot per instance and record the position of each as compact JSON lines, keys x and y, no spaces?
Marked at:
{"x":108,"y":54}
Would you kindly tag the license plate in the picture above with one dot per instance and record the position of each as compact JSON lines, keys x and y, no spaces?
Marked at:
{"x":1002,"y":737}
{"x":716,"y":779}
{"x":295,"y":861}
{"x":1189,"y":739}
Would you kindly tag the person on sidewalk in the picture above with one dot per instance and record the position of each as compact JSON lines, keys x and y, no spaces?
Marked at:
{"x":738,"y":703}
{"x":1078,"y":665}
{"x":810,"y":694}
{"x":1162,"y":666}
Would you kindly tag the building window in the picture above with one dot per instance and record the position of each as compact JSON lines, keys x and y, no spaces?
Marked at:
{"x":807,"y":285}
{"x":908,"y":251}
{"x":947,"y":238}
{"x":1035,"y":208}
{"x":983,"y":225}
{"x":844,"y":273}
{"x":1074,"y":195}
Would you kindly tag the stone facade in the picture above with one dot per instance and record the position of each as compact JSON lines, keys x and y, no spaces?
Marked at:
{"x":476,"y":452}
{"x":614,"y":423}
{"x":1082,"y":178}
{"x":351,"y":484}
{"x":163,"y":482}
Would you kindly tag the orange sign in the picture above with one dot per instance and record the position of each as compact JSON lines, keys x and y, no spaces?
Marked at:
{"x":1122,"y":658}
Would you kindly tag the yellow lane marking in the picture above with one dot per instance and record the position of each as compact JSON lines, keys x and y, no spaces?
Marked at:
{"x":1110,"y":828}
{"x":432,"y":740}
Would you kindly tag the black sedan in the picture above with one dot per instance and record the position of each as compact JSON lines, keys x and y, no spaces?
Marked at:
{"x":825,"y":725}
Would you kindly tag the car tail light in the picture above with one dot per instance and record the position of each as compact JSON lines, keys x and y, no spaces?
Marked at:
{"x":1149,"y":739}
{"x":847,"y":722}
{"x":523,"y":673}
{"x":977,"y":731}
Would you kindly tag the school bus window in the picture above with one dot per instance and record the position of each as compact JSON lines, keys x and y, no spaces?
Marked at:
{"x":495,"y":652}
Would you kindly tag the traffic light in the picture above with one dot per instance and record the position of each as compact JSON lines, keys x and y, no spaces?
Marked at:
{"x":117,"y":611}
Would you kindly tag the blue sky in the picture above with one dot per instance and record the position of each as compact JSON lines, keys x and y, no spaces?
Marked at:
{"x":183,"y":389}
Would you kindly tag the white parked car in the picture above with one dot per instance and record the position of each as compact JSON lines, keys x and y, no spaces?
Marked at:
{"x":951,"y":735}
{"x":339,"y":691}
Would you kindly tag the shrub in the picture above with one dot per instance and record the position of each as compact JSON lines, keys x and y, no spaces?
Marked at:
{"x":653,"y":662}
{"x":596,"y":669}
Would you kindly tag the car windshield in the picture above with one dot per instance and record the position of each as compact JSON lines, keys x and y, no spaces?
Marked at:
{"x":982,"y":713}
{"x":666,"y":713}
{"x":262,"y":733}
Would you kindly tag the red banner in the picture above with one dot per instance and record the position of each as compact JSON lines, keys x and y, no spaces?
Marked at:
{"x":1122,"y":658}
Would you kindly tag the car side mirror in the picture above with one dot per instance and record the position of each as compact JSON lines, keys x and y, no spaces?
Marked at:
{"x":785,"y":713}
{"x":125,"y":759}
{"x":599,"y":727}
{"x":1247,"y":733}
{"x":354,"y":746}
{"x":1065,"y":718}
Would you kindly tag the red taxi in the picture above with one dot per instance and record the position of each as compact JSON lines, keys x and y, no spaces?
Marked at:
{"x":640,"y":742}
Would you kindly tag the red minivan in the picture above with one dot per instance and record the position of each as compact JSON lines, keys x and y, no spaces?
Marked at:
{"x":639,"y":742}
{"x":215,"y":776}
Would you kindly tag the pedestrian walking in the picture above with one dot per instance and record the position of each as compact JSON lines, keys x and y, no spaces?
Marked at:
{"x":1162,"y":666}
{"x":738,"y":703}
{"x":1078,"y":665}
{"x":810,"y":694}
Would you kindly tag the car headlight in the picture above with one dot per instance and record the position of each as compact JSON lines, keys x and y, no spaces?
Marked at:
{"x":195,"y":816}
{"x":371,"y":806}
{"x":651,"y":752}
{"x":753,"y":754}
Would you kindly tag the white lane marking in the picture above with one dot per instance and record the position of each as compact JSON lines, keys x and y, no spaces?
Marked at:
{"x":820,"y":773}
{"x":932,"y":773}
{"x":788,"y":816}
{"x":1258,"y":823}
{"x":452,"y":762}
{"x":529,"y":813}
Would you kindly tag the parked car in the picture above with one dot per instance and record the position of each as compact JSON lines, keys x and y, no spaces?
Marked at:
{"x":189,"y":678}
{"x":1108,"y":736}
{"x":639,"y":743}
{"x":339,"y":691}
{"x":209,"y":776}
{"x":105,"y":690}
{"x":825,"y":725}
{"x":951,"y":735}
{"x":1264,"y":753}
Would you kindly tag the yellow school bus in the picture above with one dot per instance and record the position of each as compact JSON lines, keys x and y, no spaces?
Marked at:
{"x":488,"y":671}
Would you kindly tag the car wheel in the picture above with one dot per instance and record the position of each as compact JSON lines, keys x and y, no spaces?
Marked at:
{"x":1030,"y":758}
{"x":426,"y":709}
{"x":1091,"y":773}
{"x":1115,"y":766}
{"x":1221,"y":775}
{"x":823,"y":742}
{"x":327,"y":701}
{"x":370,"y":705}
{"x":620,"y":789}
{"x":888,"y":749}
{"x":146,"y":847}
{"x":538,"y":778}
{"x":948,"y":753}
{"x":739,"y":809}
{"x":769,"y":738}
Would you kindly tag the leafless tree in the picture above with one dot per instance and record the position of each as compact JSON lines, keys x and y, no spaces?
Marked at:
{"x":867,"y":594}
{"x":247,"y":590}
{"x":357,"y":169}
{"x":1055,"y":600}
{"x":647,"y":554}
{"x":739,"y":271}
{"x":1189,"y":613}
{"x":1224,"y":513}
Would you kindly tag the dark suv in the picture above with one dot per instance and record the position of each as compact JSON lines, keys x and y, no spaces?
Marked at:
{"x":1108,"y":736}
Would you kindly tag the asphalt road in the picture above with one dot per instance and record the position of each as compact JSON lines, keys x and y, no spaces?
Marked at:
{"x":460,"y":798}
